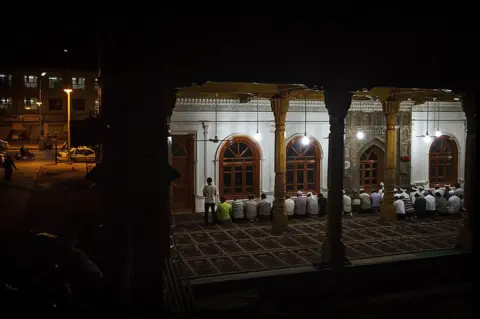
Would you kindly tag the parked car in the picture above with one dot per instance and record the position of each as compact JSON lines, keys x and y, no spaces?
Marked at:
{"x":77,"y":154}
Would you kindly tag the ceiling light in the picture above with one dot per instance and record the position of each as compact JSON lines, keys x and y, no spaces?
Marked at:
{"x":360,"y":135}
{"x":305,"y":140}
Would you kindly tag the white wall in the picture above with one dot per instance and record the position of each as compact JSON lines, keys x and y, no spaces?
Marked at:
{"x":451,"y":124}
{"x":235,"y":122}
{"x":244,"y":123}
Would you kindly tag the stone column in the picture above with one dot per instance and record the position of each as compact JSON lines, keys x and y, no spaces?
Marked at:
{"x":470,"y":105}
{"x":390,"y":108}
{"x":279,"y":106}
{"x":333,"y":250}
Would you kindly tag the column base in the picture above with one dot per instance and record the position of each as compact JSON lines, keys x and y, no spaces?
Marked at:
{"x":333,"y":255}
{"x":465,"y":239}
{"x":387,"y":212}
{"x":280,"y":223}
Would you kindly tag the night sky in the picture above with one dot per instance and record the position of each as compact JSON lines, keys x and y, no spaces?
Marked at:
{"x":262,"y":50}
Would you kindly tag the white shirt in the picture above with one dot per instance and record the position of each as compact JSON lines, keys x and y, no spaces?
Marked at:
{"x":454,"y":204}
{"x":312,"y":205}
{"x":459,"y":191}
{"x":289,"y":206}
{"x":210,"y":192}
{"x":347,"y":204}
{"x":264,"y":207}
{"x":238,"y":209}
{"x":399,"y":207}
{"x":366,"y":201}
{"x":251,"y":209}
{"x":412,"y":197}
{"x":430,"y":202}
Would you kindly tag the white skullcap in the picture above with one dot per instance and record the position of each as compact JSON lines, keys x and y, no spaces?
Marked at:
{"x":361,"y":189}
{"x":397,"y":196}
{"x":395,"y":190}
{"x":299,"y":193}
{"x":381,"y":184}
{"x":451,"y":192}
{"x":343,"y":191}
{"x":436,"y":185}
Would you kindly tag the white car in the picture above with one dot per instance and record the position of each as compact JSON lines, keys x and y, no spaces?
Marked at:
{"x":78,"y":154}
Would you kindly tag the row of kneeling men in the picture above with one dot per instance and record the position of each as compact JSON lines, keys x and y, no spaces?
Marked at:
{"x":301,"y":206}
{"x":417,"y":203}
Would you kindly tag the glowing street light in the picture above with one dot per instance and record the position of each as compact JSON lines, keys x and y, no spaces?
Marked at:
{"x":68,"y":91}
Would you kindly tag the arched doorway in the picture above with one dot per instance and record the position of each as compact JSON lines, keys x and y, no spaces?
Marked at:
{"x":239,"y":168}
{"x":303,"y":166}
{"x":443,"y":161}
{"x":371,"y":168}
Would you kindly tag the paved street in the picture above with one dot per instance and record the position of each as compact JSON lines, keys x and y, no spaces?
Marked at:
{"x":213,"y":250}
{"x":25,"y":195}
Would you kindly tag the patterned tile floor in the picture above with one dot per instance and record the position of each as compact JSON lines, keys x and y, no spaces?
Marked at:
{"x":212,"y":250}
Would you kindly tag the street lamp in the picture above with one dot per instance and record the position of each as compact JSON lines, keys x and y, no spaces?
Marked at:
{"x":68,"y":91}
{"x":39,"y":103}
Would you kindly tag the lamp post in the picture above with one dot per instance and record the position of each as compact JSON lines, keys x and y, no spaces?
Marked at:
{"x":68,"y":91}
{"x":39,"y":103}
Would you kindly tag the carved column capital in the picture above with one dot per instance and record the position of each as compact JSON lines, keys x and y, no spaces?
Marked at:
{"x":279,"y":105}
{"x":338,"y":103}
{"x":390,"y":106}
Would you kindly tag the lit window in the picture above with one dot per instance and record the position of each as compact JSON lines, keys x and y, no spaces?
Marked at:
{"x":54,"y":82}
{"x":5,"y":103}
{"x":30,"y":103}
{"x":78,"y":83}
{"x":30,"y":81}
{"x":239,"y":169}
{"x":5,"y":80}
{"x":303,"y":166}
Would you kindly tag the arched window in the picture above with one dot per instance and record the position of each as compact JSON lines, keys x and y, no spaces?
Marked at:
{"x":303,"y":166}
{"x":239,"y":168}
{"x":443,"y":161}
{"x":371,"y":168}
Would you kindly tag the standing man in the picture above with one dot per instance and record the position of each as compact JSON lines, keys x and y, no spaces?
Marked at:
{"x":210,"y":194}
{"x":8,"y":165}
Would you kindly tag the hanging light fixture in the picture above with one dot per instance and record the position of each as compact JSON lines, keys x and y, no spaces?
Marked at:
{"x":257,"y":136}
{"x":427,"y":138}
{"x":438,"y":133}
{"x":305,"y":139}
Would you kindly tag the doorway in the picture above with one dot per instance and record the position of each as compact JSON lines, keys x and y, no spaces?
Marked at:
{"x":183,"y":160}
{"x":371,"y":168}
